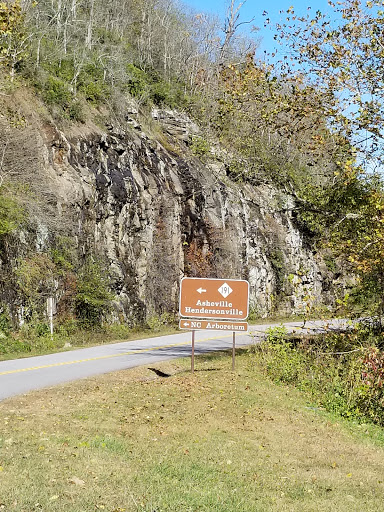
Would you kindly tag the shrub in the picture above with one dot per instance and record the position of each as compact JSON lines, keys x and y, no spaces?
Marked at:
{"x":169,"y":93}
{"x":11,"y":214}
{"x":5,"y":322}
{"x":94,"y":92}
{"x":93,"y":298}
{"x":281,"y":359}
{"x":57,"y":93}
{"x":199,"y":146}
{"x":138,"y":81}
{"x":150,"y":85}
{"x":158,"y":323}
{"x":75,"y":111}
{"x":340,"y":373}
{"x":92,"y":85}
{"x":41,"y":329}
{"x":36,"y":278}
{"x":63,"y":253}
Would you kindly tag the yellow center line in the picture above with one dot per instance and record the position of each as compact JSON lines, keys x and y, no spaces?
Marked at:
{"x":130,"y":352}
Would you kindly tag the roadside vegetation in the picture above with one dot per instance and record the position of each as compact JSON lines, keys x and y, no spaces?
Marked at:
{"x":36,"y":340}
{"x":343,"y":372}
{"x":212,"y":441}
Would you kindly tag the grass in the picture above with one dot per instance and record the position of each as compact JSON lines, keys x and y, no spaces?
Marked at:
{"x":213,"y":441}
{"x":31,"y":345}
{"x":27,"y":344}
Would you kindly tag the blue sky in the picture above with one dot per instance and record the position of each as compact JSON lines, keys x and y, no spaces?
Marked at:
{"x":255,"y":8}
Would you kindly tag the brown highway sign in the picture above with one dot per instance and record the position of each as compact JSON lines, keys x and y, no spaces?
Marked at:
{"x":222,"y":299}
{"x":212,"y":325}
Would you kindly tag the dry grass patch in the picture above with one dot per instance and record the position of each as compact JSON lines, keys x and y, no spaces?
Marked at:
{"x":214,"y":441}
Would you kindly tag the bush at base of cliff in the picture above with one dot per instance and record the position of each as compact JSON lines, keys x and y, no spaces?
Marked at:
{"x":36,"y":276}
{"x":199,"y":146}
{"x":93,"y":298}
{"x":5,"y":322}
{"x":158,"y":323}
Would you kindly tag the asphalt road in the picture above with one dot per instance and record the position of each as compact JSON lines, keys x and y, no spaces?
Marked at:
{"x":19,"y":376}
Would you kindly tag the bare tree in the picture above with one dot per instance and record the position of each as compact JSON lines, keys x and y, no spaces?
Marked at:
{"x":231,"y":26}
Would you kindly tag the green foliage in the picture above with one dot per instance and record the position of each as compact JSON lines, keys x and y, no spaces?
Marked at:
{"x":283,"y":362}
{"x":277,"y":260}
{"x":92,"y":85}
{"x":57,"y":93}
{"x":118,"y":331}
{"x":168,"y":93}
{"x":138,"y":82}
{"x":152,"y":86}
{"x":199,"y":146}
{"x":237,"y":171}
{"x":63,"y":254}
{"x":276,"y":128}
{"x":31,"y":339}
{"x":94,"y":92}
{"x":254,"y":313}
{"x":36,"y":276}
{"x":93,"y":298}
{"x":158,"y":323}
{"x":63,"y":69}
{"x":11,"y":345}
{"x":344,"y":372}
{"x":277,"y":336}
{"x":41,"y":329}
{"x":75,"y":111}
{"x":330,"y":263}
{"x":347,"y":220}
{"x":11,"y":214}
{"x":5,"y":322}
{"x":62,"y":81}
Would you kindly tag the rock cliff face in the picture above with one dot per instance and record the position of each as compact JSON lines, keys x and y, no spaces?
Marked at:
{"x":157,"y":214}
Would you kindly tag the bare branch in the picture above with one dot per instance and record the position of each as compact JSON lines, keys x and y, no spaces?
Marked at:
{"x":231,"y":26}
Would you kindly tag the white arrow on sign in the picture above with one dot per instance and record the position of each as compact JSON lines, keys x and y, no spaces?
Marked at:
{"x":200,"y":290}
{"x":186,"y":324}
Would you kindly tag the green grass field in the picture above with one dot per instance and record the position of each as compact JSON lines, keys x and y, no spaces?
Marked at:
{"x":213,"y":441}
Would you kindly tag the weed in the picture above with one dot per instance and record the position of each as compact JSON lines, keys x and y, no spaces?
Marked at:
{"x":342,"y":371}
{"x":157,"y":323}
{"x":283,"y":362}
{"x":11,"y":214}
{"x":93,"y":299}
{"x":200,"y":147}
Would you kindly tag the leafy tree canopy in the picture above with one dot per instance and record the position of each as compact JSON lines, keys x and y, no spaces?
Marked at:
{"x":342,"y":54}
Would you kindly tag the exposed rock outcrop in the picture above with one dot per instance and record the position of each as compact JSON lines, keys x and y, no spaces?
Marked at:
{"x":157,"y":215}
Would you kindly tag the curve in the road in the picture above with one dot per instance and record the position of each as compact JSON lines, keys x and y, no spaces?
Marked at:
{"x":19,"y":376}
{"x":109,"y":356}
